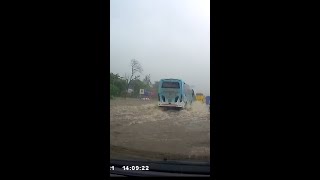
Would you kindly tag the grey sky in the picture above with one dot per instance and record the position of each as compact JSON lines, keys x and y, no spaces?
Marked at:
{"x":170,"y":38}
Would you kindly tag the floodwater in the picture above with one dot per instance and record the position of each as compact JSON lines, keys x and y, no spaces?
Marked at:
{"x":141,"y":130}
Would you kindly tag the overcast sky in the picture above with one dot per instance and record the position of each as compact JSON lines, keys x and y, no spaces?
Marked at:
{"x":170,"y":38}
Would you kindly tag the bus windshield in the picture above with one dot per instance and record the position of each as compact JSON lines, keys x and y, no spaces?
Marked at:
{"x":171,"y":85}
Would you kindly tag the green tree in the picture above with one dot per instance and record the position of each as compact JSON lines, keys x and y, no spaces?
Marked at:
{"x":114,"y":90}
{"x":117,"y":85}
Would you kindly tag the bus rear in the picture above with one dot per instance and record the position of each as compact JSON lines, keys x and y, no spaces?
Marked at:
{"x":170,"y":93}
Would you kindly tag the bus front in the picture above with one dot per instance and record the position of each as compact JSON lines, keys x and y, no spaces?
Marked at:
{"x":170,"y":93}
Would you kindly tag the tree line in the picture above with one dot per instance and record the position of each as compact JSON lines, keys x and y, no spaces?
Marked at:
{"x":121,"y":86}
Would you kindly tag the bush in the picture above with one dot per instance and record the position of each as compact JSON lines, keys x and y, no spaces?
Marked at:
{"x":114,"y":90}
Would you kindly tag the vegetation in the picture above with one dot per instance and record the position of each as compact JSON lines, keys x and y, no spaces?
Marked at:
{"x":119,"y":86}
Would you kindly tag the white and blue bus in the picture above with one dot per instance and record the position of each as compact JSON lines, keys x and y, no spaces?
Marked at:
{"x":174,"y":93}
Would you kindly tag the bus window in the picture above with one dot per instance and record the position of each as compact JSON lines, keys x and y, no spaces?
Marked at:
{"x":171,"y":85}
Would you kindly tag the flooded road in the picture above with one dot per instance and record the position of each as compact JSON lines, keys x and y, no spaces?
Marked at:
{"x":140,"y":129}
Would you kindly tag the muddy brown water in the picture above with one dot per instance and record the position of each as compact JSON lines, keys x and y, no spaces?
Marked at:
{"x":141,"y":130}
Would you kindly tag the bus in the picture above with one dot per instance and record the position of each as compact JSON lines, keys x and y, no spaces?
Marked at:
{"x":174,"y":93}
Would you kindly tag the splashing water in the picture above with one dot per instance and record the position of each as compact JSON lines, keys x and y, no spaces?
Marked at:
{"x":143,"y":125}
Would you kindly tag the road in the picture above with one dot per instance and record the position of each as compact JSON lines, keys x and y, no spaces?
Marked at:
{"x":140,"y":129}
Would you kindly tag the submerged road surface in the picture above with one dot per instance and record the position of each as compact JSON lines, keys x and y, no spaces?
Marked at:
{"x":140,"y":129}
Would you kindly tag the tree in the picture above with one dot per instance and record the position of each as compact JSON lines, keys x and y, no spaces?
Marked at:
{"x":147,"y":80}
{"x":135,"y":68}
{"x":114,"y":78}
{"x":137,"y":85}
{"x":114,"y":91}
{"x":117,"y":85}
